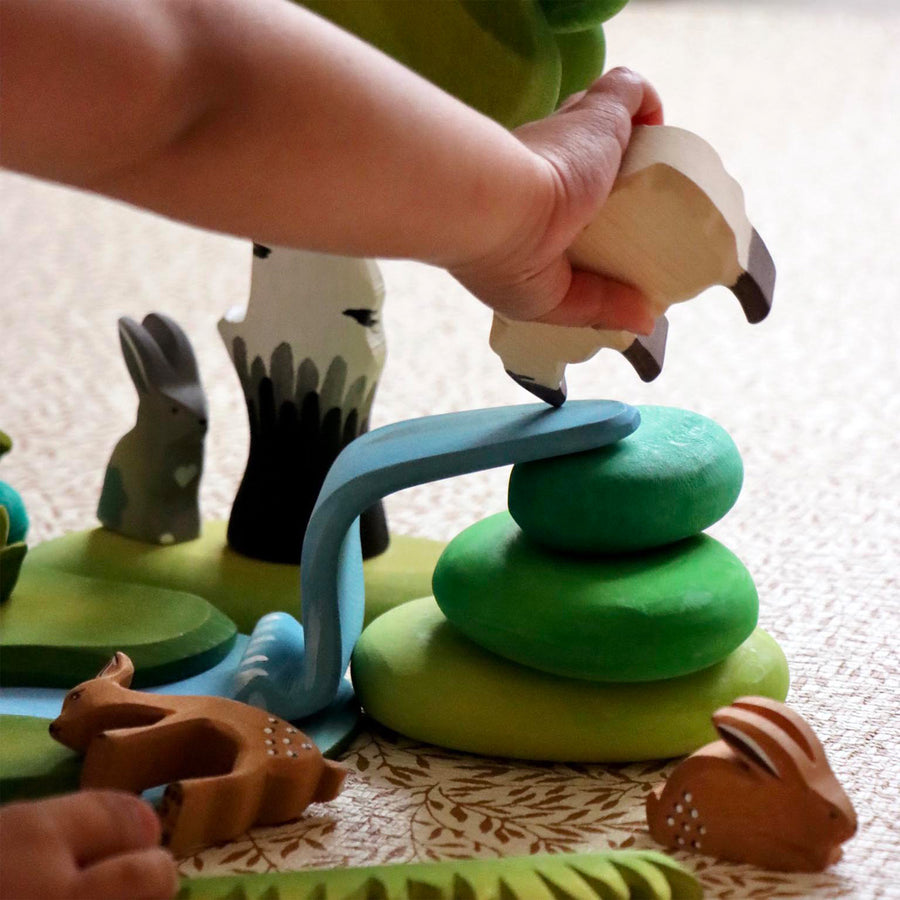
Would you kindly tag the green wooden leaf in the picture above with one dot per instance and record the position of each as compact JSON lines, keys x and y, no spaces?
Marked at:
{"x":239,"y":893}
{"x":461,"y":889}
{"x":644,"y":880}
{"x":564,"y":883}
{"x":373,"y":888}
{"x":603,"y":878}
{"x":611,"y":875}
{"x":684,"y":886}
{"x":422,"y":890}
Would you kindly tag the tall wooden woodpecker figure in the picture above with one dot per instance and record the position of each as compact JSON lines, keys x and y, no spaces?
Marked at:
{"x":308,"y":350}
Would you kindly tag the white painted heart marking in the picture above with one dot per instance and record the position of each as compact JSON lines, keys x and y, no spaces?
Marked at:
{"x":186,"y":474}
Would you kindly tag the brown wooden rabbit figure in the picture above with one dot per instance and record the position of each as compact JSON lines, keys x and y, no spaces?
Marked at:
{"x":764,"y":794}
{"x":228,"y":766}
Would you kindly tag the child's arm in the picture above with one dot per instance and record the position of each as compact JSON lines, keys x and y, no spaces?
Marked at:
{"x":91,"y":845}
{"x":257,"y":118}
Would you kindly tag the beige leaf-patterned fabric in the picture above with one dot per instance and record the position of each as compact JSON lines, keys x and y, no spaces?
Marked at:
{"x":421,"y":803}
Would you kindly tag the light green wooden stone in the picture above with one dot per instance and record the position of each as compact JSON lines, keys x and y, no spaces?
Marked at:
{"x":32,"y":764}
{"x":417,"y":674}
{"x":244,"y":589}
{"x":676,"y":475}
{"x":634,"y":617}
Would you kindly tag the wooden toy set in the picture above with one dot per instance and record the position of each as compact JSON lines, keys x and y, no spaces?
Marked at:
{"x":620,"y":636}
{"x":594,"y":621}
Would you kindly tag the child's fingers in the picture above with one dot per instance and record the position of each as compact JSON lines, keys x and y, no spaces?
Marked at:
{"x":138,"y":875}
{"x":97,"y":824}
{"x":594,"y":301}
{"x":570,"y":101}
{"x":634,"y":92}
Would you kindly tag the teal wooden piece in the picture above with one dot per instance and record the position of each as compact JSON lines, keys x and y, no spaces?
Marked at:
{"x":18,"y":517}
{"x":294,"y":670}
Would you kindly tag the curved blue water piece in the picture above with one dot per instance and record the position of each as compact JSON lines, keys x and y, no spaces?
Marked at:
{"x":291,"y":680}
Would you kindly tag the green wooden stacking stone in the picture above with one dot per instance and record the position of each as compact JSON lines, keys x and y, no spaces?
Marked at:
{"x":419,"y":675}
{"x":676,"y":475}
{"x":637,"y":617}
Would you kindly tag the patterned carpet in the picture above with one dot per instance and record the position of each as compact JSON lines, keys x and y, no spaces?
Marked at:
{"x":801,"y":100}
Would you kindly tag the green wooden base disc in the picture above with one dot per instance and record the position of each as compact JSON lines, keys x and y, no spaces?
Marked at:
{"x":244,"y":589}
{"x":59,"y":629}
{"x":416,"y":673}
{"x":32,"y":764}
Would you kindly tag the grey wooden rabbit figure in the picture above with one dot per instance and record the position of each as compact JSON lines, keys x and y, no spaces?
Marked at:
{"x":152,"y":479}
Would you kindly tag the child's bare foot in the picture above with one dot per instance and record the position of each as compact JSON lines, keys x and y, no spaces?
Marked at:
{"x":91,"y":845}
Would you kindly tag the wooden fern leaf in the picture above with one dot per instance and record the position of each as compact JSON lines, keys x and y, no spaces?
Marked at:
{"x":614,"y":875}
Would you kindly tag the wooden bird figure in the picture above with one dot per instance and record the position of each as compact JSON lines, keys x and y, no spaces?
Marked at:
{"x":673,"y":225}
{"x":228,"y":766}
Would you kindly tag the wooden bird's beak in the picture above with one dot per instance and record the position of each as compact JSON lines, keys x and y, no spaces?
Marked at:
{"x":554,"y":396}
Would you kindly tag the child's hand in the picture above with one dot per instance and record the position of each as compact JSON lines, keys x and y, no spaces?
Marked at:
{"x":581,"y":147}
{"x":258,"y":118}
{"x":91,"y":845}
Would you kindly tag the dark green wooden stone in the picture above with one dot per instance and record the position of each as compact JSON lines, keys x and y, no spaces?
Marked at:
{"x":676,"y":475}
{"x":60,"y":629}
{"x":638,"y":617}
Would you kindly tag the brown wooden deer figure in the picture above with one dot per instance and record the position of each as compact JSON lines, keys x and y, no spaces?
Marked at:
{"x":228,"y":766}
